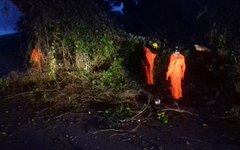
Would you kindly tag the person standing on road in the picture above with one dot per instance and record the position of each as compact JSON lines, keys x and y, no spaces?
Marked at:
{"x":176,"y":70}
{"x":37,"y":59}
{"x":149,"y":63}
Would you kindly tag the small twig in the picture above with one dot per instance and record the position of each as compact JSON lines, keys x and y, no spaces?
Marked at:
{"x":71,"y":114}
{"x":180,"y":110}
{"x":20,"y":94}
{"x":124,"y":132}
{"x":128,"y":139}
{"x":108,"y":130}
{"x":61,"y":115}
{"x":119,"y":134}
{"x":129,"y":131}
{"x":139,"y":114}
{"x":41,"y":111}
{"x":28,"y":92}
{"x":146,"y":93}
{"x":75,"y":76}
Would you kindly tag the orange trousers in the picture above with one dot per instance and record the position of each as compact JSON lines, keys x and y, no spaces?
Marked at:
{"x":149,"y":65}
{"x":149,"y":73}
{"x":176,"y":88}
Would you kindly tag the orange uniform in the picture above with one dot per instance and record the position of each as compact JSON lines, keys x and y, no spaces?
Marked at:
{"x":37,"y":58}
{"x":149,"y":64}
{"x":176,"y":70}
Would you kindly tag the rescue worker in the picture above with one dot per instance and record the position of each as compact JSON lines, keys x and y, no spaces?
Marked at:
{"x":37,"y":59}
{"x":149,"y":63}
{"x":176,"y":70}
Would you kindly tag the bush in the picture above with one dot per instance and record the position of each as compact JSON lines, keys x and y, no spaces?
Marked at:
{"x":3,"y":86}
{"x":112,"y":78}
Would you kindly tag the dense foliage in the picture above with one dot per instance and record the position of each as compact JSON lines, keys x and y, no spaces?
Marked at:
{"x":74,"y":35}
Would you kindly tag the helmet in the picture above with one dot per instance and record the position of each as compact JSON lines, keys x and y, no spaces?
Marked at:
{"x":155,"y":45}
{"x":176,"y":48}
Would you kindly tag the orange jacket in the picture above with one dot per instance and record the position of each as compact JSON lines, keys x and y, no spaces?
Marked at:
{"x":176,"y":67}
{"x":150,"y":56}
{"x":37,"y":58}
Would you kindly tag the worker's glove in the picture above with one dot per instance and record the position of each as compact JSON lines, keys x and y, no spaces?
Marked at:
{"x":182,"y":77}
{"x":167,"y":76}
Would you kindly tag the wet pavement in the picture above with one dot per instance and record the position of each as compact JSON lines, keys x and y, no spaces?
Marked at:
{"x":33,"y":129}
